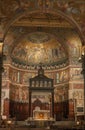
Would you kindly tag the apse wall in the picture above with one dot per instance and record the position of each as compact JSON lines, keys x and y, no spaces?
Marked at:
{"x":68,"y":80}
{"x":68,"y":85}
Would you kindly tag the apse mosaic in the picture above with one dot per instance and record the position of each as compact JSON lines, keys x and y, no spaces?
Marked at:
{"x":39,"y":37}
{"x":70,"y":40}
{"x":38,"y":47}
{"x":47,"y":46}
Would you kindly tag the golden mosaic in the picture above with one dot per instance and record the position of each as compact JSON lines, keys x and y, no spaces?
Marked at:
{"x":38,"y":47}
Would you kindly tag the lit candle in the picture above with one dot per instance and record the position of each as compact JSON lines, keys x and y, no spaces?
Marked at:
{"x":83,"y":50}
{"x":1,"y":46}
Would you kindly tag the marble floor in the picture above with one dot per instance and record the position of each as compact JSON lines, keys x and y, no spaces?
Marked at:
{"x":59,"y":125}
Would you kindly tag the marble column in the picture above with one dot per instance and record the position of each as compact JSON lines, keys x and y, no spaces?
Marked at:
{"x":1,"y":70}
{"x":83,"y":72}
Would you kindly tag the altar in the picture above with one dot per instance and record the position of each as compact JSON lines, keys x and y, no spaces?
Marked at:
{"x":39,"y":123}
{"x":41,"y":114}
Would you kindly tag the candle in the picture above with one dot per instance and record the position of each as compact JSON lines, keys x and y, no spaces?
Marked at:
{"x":83,"y":50}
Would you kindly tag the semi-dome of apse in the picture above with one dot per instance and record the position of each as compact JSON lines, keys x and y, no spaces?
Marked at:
{"x":38,"y":47}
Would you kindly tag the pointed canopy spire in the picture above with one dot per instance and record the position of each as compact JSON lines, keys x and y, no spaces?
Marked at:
{"x":41,"y":70}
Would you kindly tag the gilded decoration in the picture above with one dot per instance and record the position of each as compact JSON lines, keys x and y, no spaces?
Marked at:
{"x":10,"y":8}
{"x":28,"y":48}
{"x":38,"y":47}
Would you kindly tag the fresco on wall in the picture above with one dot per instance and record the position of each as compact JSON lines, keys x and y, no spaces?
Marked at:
{"x":20,"y":77}
{"x":78,"y":94}
{"x":5,"y":73}
{"x":57,"y":97}
{"x":71,"y":40}
{"x":5,"y":49}
{"x":4,"y":95}
{"x":62,"y":76}
{"x":12,"y":92}
{"x":26,"y":76}
{"x":25,"y":93}
{"x":5,"y":84}
{"x":49,"y":75}
{"x":43,"y":97}
{"x":13,"y":75}
{"x":61,"y":93}
{"x":75,"y":74}
{"x":19,"y":93}
{"x":74,"y":47}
